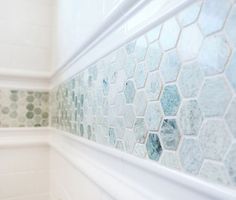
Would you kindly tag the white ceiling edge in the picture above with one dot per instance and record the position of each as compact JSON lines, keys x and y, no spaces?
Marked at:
{"x":123,"y":11}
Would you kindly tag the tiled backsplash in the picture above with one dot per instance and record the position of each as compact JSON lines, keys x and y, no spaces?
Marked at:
{"x":168,"y":96}
{"x":21,"y":108}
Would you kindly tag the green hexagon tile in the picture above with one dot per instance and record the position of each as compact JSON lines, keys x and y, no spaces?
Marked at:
{"x":19,"y":108}
{"x":168,"y":96}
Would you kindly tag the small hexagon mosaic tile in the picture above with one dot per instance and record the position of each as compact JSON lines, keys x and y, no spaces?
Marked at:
{"x":19,"y":108}
{"x":168,"y":95}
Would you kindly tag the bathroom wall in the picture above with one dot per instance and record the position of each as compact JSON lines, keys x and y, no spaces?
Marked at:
{"x":167,"y":96}
{"x":24,"y":173}
{"x":70,"y":31}
{"x":25,"y":36}
{"x":23,"y":108}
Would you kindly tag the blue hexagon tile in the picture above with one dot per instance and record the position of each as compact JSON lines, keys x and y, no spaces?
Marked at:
{"x":168,"y":95}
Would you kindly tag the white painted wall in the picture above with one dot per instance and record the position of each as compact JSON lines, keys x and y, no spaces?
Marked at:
{"x":24,"y":173}
{"x":25,"y":35}
{"x":74,"y":22}
{"x":68,"y":183}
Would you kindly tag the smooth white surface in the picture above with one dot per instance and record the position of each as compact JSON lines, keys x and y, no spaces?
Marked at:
{"x":25,"y":35}
{"x":79,"y":166}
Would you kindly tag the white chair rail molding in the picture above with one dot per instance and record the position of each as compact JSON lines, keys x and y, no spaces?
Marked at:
{"x":117,"y":99}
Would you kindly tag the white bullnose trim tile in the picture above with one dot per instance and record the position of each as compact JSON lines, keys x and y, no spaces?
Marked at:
{"x":134,"y":176}
{"x":119,"y":174}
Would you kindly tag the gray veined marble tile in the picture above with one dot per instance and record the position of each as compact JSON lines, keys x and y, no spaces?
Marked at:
{"x":153,"y":145}
{"x":140,"y":48}
{"x":129,"y":140}
{"x":230,"y":26}
{"x":170,"y":135}
{"x":230,"y":163}
{"x":189,"y":15}
{"x":214,"y":97}
{"x":214,"y":172}
{"x":231,"y":71}
{"x":170,"y":159}
{"x":140,"y":130}
{"x":140,"y":75}
{"x":154,"y":33}
{"x":190,"y":156}
{"x":153,"y":57}
{"x":140,"y":150}
{"x":213,"y":15}
{"x":169,"y":34}
{"x":230,"y":117}
{"x":214,"y":139}
{"x":190,"y":80}
{"x":214,"y":55}
{"x":140,"y":103}
{"x":189,"y":43}
{"x":190,"y":117}
{"x":153,"y":116}
{"x":130,"y":47}
{"x":129,"y":67}
{"x":170,"y":66}
{"x":153,"y":86}
{"x":129,"y":116}
{"x":112,"y":136}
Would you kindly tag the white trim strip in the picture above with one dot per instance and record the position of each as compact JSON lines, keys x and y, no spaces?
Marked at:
{"x":121,"y":175}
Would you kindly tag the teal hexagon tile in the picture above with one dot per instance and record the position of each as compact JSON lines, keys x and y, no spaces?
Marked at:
{"x":153,"y":86}
{"x":230,"y":117}
{"x":130,"y":47}
{"x":189,"y":43}
{"x":214,"y":54}
{"x":140,"y":103}
{"x":153,"y":57}
{"x":190,"y":155}
{"x":170,"y":66}
{"x":153,"y":116}
{"x":129,"y":91}
{"x":140,"y":150}
{"x":129,"y":116}
{"x":169,"y":34}
{"x":129,"y":140}
{"x":231,"y":71}
{"x":230,"y":26}
{"x":169,"y":134}
{"x":170,"y":159}
{"x":140,"y":75}
{"x":140,"y":48}
{"x":140,"y":130}
{"x":170,"y":100}
{"x":189,"y":15}
{"x":129,"y":67}
{"x":214,"y":172}
{"x":214,"y":139}
{"x":190,"y":117}
{"x":153,"y":34}
{"x":230,"y":163}
{"x":214,"y":97}
{"x":213,"y":15}
{"x":153,"y":145}
{"x":112,"y":136}
{"x":190,"y":80}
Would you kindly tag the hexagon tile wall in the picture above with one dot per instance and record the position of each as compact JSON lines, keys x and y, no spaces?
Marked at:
{"x":19,"y":108}
{"x":168,"y":96}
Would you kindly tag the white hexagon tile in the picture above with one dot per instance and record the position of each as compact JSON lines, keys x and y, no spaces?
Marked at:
{"x":168,"y":96}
